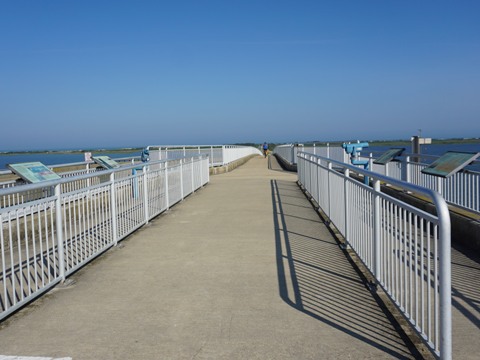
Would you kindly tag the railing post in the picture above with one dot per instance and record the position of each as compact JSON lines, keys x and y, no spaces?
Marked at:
{"x":208,"y":174}
{"x":406,"y":171}
{"x":376,"y":230}
{"x":113,"y":205}
{"x":167,"y":198}
{"x":445,"y":282}
{"x":181,"y":178}
{"x":330,"y":167}
{"x":193,"y":182}
{"x":145,"y":192}
{"x":223,"y":155}
{"x":319,"y":171}
{"x":201,"y":170}
{"x":211,"y":156}
{"x":346,"y":204}
{"x":59,"y":230}
{"x":328,"y":150}
{"x":87,"y":167}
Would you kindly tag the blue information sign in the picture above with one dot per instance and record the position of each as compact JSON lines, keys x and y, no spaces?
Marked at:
{"x":33,"y":172}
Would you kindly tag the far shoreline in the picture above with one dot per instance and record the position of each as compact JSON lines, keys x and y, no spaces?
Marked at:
{"x":110,"y":151}
{"x":307,"y":143}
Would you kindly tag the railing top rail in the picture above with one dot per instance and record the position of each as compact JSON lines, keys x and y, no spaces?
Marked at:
{"x":44,"y":184}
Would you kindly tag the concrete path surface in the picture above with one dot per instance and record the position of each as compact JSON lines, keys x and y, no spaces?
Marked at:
{"x":242,"y":269}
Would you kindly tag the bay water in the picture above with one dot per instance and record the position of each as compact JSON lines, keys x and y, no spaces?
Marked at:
{"x":65,"y":158}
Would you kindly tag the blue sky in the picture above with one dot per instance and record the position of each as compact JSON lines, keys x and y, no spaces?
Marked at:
{"x":133,"y":73}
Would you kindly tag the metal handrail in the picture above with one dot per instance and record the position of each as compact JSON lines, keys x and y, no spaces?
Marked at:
{"x":364,"y":217}
{"x":57,"y":230}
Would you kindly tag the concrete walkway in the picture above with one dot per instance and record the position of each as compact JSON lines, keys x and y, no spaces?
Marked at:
{"x":242,"y":269}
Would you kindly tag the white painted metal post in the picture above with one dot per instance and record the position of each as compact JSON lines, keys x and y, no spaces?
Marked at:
{"x":328,"y":150}
{"x":201,"y":171}
{"x":145,"y":192}
{"x":376,"y":229}
{"x":439,"y":185}
{"x":347,"y":205}
{"x":181,"y":178}
{"x":193,"y":182}
{"x":211,"y":156}
{"x":445,"y":282}
{"x":167,"y":198}
{"x":330,"y":167}
{"x":208,"y":174}
{"x":407,"y":169}
{"x":113,"y":205}
{"x":88,"y":172}
{"x":59,"y":230}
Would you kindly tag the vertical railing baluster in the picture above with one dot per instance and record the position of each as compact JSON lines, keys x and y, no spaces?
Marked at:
{"x":346,"y":205}
{"x":59,"y":230}
{"x":167,"y":198}
{"x":181,"y":178}
{"x":376,"y":229}
{"x":113,"y":205}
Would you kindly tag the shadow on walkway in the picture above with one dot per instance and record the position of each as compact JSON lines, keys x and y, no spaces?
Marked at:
{"x":316,"y":278}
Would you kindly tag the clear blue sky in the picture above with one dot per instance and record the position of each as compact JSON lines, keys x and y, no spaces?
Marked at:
{"x":133,"y":73}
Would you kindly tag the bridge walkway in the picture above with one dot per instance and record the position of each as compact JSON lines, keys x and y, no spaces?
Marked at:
{"x":242,"y":269}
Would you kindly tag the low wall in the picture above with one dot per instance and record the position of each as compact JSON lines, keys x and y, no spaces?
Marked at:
{"x":229,"y":167}
{"x":285,"y":164}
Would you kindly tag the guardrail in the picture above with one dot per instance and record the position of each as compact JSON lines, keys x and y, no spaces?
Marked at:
{"x":44,"y":240}
{"x":218,"y":155}
{"x":406,"y":249}
{"x":461,"y":189}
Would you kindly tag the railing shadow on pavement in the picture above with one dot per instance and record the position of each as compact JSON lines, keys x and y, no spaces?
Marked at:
{"x":316,"y":278}
{"x":466,"y":284}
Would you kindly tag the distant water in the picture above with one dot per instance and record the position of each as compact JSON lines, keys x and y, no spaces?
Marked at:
{"x":54,"y":158}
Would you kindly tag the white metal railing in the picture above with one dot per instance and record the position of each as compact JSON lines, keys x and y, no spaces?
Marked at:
{"x":219,"y":155}
{"x":461,"y":189}
{"x":45,"y":239}
{"x":406,"y":249}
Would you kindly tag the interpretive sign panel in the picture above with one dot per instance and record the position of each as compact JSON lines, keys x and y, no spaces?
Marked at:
{"x":449,"y":163}
{"x":33,"y":172}
{"x":106,"y":162}
{"x":388,"y":156}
